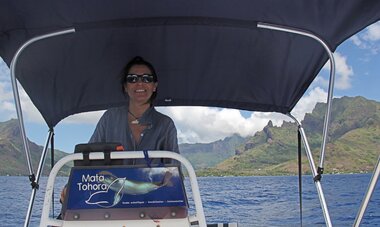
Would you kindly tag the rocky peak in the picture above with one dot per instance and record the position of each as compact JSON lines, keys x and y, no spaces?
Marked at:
{"x":267,"y":131}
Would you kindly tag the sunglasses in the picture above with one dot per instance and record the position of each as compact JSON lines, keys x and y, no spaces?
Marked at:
{"x":145,"y":78}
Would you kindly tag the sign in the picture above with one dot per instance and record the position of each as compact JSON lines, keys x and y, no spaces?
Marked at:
{"x":123,"y":187}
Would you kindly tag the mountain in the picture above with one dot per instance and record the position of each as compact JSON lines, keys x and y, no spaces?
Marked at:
{"x":353,"y":142}
{"x":203,"y":155}
{"x":13,"y":157}
{"x":12,"y":154}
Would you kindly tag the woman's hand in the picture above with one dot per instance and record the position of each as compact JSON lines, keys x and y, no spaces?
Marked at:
{"x":63,"y":195}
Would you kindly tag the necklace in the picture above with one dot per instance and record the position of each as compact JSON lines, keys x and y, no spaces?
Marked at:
{"x":136,"y":121}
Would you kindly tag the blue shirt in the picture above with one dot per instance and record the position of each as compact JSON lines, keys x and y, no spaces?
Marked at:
{"x":160,"y":132}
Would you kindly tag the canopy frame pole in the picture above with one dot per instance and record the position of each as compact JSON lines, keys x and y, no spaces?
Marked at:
{"x":368,"y":195}
{"x":16,"y":92}
{"x":314,"y":172}
{"x":52,"y":162}
{"x":32,"y":177}
{"x":331,"y":83}
{"x":38,"y":176}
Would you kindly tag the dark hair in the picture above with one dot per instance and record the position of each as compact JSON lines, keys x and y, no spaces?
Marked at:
{"x":139,"y":61}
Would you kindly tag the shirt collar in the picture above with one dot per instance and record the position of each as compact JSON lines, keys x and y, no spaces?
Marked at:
{"x":147,"y":117}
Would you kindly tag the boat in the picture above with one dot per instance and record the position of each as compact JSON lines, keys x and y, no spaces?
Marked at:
{"x":255,"y":55}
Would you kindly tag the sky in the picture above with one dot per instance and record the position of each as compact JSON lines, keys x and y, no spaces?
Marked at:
{"x":357,"y":74}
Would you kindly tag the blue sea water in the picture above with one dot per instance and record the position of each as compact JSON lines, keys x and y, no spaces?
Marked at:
{"x":249,"y":201}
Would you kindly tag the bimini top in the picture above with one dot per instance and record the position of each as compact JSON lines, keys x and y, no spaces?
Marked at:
{"x":207,"y":53}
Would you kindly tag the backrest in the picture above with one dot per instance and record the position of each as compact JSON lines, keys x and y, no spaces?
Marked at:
{"x":106,"y":148}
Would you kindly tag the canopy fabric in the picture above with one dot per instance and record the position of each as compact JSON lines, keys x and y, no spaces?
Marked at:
{"x":206,"y":53}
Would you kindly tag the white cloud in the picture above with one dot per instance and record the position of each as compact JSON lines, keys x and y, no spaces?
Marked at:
{"x":373,"y":32}
{"x":368,"y":39}
{"x":7,"y":106}
{"x":343,"y":75}
{"x":5,"y":93}
{"x":356,"y":40}
{"x":29,"y":111}
{"x":208,"y":124}
{"x":307,"y":103}
{"x":4,"y":71}
{"x":344,"y":72}
{"x":84,"y":118}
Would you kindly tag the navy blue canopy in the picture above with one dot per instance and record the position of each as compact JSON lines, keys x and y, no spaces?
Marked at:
{"x":206,"y":53}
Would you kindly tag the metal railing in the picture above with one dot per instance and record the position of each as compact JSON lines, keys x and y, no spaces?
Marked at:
{"x":200,"y":217}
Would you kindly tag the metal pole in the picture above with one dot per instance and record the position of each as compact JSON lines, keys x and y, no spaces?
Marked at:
{"x":331,"y":83}
{"x":52,"y":163}
{"x":314,"y":172}
{"x":367,"y":197}
{"x":32,"y":177}
{"x":16,"y":93}
{"x":35,"y":184}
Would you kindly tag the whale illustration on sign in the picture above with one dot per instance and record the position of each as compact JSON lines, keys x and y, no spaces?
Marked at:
{"x":98,"y":198}
{"x":120,"y":186}
{"x":132,"y":187}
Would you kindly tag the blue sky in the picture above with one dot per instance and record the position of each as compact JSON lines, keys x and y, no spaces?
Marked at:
{"x":358,"y":73}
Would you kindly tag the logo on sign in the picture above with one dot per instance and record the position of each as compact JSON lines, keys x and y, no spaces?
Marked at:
{"x":111,"y":189}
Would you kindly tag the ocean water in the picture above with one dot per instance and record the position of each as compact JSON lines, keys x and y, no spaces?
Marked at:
{"x":249,"y":201}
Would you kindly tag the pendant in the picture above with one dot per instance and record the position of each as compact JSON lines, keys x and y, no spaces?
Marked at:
{"x":135,"y":122}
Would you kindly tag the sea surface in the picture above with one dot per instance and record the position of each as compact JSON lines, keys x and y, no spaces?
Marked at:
{"x":249,"y":201}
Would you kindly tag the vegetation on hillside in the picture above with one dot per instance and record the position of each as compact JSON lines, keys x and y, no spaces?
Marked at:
{"x":353,"y":143}
{"x":12,"y":155}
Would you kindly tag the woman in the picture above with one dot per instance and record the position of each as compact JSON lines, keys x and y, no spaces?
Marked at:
{"x":137,"y":125}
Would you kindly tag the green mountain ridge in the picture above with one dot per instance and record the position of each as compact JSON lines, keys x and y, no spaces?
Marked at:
{"x":203,"y":155}
{"x":12,"y":155}
{"x":353,"y":145}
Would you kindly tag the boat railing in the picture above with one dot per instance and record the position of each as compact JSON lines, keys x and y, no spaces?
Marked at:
{"x":199,"y":216}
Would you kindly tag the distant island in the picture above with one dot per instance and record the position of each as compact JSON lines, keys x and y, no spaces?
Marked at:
{"x":353,"y":145}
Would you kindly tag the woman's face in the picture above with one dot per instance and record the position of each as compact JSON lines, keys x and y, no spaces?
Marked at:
{"x":140,"y":91}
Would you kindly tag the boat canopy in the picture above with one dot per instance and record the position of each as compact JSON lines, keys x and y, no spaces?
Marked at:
{"x":206,"y":53}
